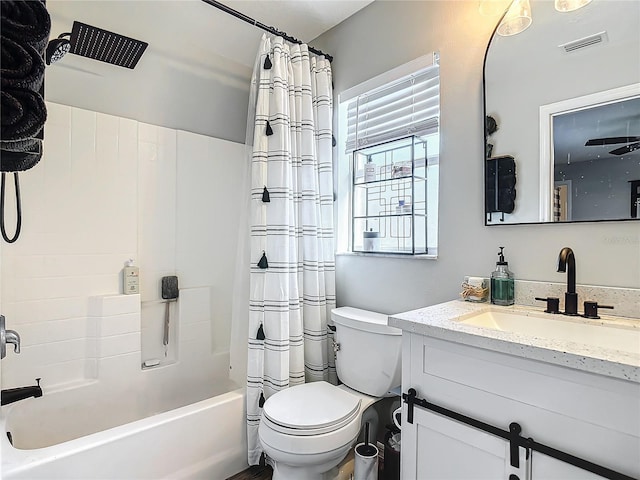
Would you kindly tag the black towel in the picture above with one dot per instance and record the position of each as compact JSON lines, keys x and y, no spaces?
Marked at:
{"x":23,"y":113}
{"x":19,"y":145}
{"x":20,"y":161}
{"x":22,"y":65}
{"x":26,"y":22}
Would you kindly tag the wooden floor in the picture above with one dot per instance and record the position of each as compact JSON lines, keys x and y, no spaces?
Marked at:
{"x":254,"y":473}
{"x":264,"y":473}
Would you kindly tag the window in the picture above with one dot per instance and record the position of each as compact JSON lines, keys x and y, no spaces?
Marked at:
{"x":388,"y":171}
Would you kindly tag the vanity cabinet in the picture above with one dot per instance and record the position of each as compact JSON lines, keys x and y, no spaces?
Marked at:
{"x":591,"y":416}
{"x":436,"y":448}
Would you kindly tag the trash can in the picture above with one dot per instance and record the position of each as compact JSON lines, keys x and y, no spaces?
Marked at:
{"x":391,"y":454}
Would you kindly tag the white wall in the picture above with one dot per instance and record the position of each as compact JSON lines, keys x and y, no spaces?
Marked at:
{"x":387,"y":34}
{"x":109,"y":189}
{"x":188,"y":226}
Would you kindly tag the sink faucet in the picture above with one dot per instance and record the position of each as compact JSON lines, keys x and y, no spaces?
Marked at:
{"x":567,"y":263}
{"x":11,"y":395}
{"x":8,"y":336}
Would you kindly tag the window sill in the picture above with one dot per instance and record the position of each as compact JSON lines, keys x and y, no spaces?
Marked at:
{"x":429,"y":256}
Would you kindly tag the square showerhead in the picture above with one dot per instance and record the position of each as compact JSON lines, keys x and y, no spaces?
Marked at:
{"x":105,"y":46}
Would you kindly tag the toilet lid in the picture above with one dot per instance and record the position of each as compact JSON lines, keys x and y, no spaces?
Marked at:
{"x":311,"y":409}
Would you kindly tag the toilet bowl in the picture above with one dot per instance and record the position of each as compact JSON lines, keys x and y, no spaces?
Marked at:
{"x":308,"y":429}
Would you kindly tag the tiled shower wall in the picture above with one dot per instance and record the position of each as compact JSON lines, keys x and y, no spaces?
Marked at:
{"x":109,"y":189}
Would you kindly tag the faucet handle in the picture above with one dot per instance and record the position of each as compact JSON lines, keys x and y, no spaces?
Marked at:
{"x":8,"y":336}
{"x":11,"y":336}
{"x":591,"y":309}
{"x":553,"y":304}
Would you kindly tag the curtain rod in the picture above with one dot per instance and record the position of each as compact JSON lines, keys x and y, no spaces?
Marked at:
{"x":255,"y":23}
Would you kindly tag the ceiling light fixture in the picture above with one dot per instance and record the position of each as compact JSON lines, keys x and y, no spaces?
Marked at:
{"x":516,"y":20}
{"x":570,"y":5}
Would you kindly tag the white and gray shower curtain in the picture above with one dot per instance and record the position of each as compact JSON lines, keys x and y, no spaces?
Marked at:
{"x":292,"y":279}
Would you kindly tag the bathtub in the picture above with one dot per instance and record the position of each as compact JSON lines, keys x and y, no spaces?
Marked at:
{"x":84,"y":432}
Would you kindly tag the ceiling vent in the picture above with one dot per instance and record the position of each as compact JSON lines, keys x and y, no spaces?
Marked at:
{"x":591,"y":40}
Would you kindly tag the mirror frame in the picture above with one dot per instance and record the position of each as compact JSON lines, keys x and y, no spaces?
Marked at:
{"x":540,"y":154}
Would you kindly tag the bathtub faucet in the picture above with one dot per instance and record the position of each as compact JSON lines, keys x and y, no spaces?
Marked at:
{"x":11,"y":395}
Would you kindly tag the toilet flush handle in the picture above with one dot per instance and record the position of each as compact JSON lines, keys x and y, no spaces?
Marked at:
{"x":336,"y":349}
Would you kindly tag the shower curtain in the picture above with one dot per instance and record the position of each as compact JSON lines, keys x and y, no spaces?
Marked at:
{"x":292,"y":274}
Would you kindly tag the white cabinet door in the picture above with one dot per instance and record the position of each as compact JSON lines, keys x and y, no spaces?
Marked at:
{"x":548,"y":468}
{"x":438,"y":448}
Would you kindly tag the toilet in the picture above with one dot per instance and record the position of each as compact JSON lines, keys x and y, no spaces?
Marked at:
{"x":308,"y":429}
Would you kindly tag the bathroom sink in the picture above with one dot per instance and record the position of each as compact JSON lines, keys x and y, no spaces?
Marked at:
{"x":559,"y":327}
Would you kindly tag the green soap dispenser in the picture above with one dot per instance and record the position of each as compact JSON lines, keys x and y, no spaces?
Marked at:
{"x":502,"y":282}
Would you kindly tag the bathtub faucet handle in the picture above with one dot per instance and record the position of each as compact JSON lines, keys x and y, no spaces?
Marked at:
{"x":8,"y":336}
{"x":13,"y":337}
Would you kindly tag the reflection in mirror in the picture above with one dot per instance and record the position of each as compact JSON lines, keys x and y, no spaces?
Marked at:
{"x":591,"y":176}
{"x":549,"y":89}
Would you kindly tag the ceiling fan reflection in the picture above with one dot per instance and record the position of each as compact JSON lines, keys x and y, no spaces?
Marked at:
{"x":632,"y":144}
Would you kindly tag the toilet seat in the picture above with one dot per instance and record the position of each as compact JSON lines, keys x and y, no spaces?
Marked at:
{"x":272,"y":439}
{"x":311,"y":419}
{"x":310,"y":409}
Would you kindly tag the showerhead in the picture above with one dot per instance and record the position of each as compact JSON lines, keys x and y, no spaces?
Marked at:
{"x":105,"y":46}
{"x":57,"y":48}
{"x":98,"y":44}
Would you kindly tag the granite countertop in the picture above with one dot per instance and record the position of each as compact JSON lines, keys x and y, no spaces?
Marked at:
{"x":443,"y":321}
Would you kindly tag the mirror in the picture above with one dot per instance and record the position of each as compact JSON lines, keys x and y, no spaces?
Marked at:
{"x":565,"y":98}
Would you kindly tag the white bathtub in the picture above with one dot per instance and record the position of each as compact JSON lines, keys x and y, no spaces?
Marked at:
{"x":71,"y":434}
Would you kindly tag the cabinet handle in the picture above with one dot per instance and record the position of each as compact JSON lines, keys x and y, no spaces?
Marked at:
{"x":514,"y":444}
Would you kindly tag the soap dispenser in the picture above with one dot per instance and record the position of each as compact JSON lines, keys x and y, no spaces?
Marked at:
{"x":502,"y":282}
{"x":131,"y":278}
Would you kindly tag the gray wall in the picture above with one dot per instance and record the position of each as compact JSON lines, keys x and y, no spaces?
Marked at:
{"x":194,"y":75}
{"x":163,"y":91}
{"x":389,"y":33}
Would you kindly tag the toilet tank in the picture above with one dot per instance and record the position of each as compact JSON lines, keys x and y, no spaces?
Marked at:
{"x":368,"y":356}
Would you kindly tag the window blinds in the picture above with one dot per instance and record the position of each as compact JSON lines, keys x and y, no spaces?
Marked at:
{"x":410,"y":106}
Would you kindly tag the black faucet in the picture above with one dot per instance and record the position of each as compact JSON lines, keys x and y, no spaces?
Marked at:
{"x":11,"y":395}
{"x":567,"y":263}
